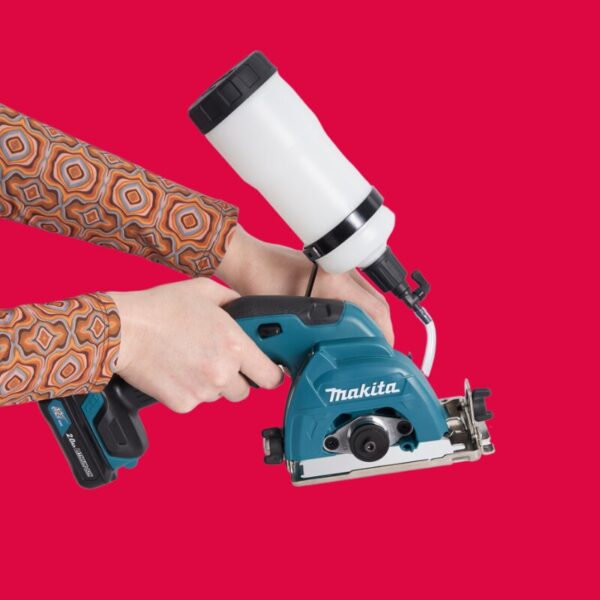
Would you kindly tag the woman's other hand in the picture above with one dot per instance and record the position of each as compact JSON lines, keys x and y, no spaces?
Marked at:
{"x":251,"y":266}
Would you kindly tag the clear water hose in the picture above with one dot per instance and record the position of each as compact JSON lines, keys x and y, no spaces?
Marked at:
{"x":430,"y":345}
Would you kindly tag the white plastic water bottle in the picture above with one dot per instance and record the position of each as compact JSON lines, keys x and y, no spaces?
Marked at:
{"x":270,"y":137}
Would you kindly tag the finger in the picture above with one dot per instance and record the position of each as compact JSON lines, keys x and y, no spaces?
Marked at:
{"x":237,"y":389}
{"x":374,"y":307}
{"x":208,"y":395}
{"x":257,"y":366}
{"x":356,"y":276}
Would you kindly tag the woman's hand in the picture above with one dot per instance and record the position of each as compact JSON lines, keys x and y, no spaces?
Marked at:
{"x":251,"y":266}
{"x":180,"y":347}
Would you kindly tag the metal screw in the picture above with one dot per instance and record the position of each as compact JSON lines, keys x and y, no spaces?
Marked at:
{"x":332,"y":443}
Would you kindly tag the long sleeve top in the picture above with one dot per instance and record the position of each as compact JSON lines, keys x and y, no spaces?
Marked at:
{"x":60,"y":184}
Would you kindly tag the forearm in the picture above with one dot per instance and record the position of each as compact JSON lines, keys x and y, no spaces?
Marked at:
{"x":57,"y":349}
{"x":55,"y":182}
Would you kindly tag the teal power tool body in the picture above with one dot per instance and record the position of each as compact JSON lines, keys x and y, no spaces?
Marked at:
{"x":356,"y":407}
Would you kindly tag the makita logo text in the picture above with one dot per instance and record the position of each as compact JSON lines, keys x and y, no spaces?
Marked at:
{"x":366,"y":390}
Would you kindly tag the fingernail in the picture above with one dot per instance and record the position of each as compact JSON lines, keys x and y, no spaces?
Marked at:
{"x":282,"y":375}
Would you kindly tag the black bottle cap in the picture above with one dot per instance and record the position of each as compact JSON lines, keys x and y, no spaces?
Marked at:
{"x":234,"y":88}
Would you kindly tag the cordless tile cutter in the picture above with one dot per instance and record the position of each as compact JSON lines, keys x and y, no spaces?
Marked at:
{"x":356,"y":406}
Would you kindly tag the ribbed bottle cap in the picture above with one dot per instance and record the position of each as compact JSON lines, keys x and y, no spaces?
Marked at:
{"x":229,"y":92}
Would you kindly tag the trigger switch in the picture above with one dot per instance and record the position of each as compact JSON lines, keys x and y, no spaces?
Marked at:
{"x":268,"y":330}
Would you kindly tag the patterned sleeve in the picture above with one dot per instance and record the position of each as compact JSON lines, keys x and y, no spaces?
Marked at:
{"x":55,"y":182}
{"x":58,"y":349}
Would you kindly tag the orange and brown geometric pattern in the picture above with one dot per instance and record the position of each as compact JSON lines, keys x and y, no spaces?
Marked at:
{"x":58,"y":349}
{"x":58,"y":183}
{"x":55,"y":182}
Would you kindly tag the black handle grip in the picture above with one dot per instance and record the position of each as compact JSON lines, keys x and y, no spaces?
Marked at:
{"x":118,"y":422}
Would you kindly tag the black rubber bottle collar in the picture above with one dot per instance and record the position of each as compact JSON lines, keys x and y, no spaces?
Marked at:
{"x":232,"y":90}
{"x":346,"y":228}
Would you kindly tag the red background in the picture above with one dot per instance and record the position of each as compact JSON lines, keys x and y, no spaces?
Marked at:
{"x":478,"y":123}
